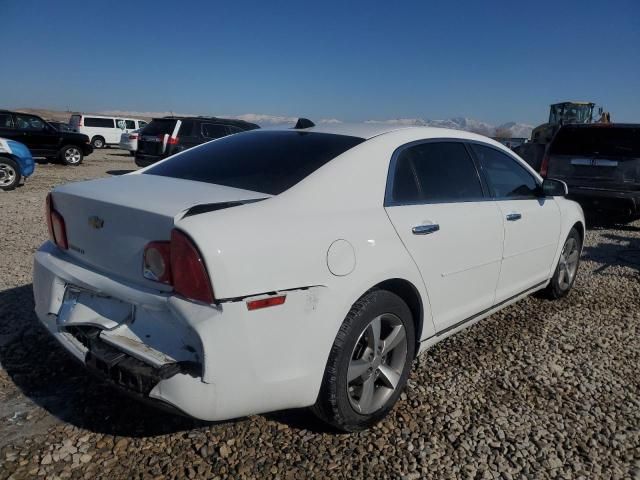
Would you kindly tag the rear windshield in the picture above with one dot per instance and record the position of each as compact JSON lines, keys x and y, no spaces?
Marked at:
{"x":159,"y":127}
{"x":616,"y":141}
{"x":261,"y":161}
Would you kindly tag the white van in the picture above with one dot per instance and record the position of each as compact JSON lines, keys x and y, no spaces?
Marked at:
{"x":104,"y":130}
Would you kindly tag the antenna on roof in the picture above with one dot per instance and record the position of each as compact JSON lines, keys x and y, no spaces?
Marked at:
{"x":303,"y":123}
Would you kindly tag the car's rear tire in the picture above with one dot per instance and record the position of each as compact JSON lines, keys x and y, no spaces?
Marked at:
{"x":132,"y":153}
{"x":566,"y":271}
{"x":9,"y":174}
{"x":97,"y":142}
{"x":71,"y":155}
{"x":369,"y":363}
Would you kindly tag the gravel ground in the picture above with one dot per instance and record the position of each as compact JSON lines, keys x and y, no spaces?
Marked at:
{"x":540,"y":390}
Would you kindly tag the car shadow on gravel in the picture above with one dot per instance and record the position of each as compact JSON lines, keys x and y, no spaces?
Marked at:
{"x":51,"y":378}
{"x":616,"y":250}
{"x":119,"y":172}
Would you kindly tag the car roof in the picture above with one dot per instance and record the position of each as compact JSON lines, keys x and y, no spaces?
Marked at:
{"x":370,"y":130}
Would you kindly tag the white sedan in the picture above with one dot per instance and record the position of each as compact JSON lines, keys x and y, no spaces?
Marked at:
{"x":129,"y":141}
{"x":276,"y":269}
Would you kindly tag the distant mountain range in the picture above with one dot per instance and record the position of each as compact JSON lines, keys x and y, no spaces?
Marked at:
{"x":511,"y":129}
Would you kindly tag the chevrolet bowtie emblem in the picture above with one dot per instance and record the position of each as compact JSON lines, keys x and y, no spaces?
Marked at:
{"x":96,"y":222}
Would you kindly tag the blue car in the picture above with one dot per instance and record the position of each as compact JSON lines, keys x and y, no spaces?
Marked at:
{"x":16,"y":163}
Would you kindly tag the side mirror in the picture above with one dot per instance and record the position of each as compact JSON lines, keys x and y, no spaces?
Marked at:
{"x":554,"y":188}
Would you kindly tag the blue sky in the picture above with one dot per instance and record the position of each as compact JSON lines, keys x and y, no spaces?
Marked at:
{"x":488,"y":60}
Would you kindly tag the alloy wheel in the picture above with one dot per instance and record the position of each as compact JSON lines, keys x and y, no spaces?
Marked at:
{"x":377,"y":362}
{"x":7,"y":175}
{"x":568,"y":264}
{"x":72,"y":155}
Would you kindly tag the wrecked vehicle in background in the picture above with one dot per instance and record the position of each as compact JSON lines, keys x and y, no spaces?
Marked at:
{"x":601,"y":166}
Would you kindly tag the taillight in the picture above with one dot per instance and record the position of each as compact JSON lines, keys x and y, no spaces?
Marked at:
{"x":178,"y":263}
{"x":157,"y":262}
{"x":57,"y":228}
{"x":544,"y":168}
{"x":172,"y":141}
{"x":133,"y":136}
{"x":190,"y":277}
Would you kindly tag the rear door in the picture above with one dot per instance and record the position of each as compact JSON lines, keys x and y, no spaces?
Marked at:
{"x":454,"y":232}
{"x":531,"y":222}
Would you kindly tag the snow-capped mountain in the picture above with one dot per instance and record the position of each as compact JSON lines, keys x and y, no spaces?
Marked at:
{"x":512,"y":129}
{"x":462,"y":123}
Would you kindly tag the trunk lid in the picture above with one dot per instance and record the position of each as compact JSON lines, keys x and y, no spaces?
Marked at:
{"x":109,"y":221}
{"x":597,"y":156}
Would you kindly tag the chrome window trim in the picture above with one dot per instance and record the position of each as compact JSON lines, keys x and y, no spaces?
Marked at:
{"x":388,"y":194}
{"x":526,"y":167}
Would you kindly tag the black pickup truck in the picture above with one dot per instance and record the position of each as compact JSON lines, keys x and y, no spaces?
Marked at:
{"x":43,"y":139}
{"x":601,"y":166}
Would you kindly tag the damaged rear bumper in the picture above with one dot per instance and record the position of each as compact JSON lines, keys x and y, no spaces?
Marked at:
{"x":209,"y":362}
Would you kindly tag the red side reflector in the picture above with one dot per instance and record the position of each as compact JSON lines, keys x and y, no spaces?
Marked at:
{"x":266,"y":302}
{"x":172,"y":141}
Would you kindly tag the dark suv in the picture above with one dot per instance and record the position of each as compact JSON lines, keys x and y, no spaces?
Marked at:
{"x":168,"y":135}
{"x":601,"y":166}
{"x":44,"y":140}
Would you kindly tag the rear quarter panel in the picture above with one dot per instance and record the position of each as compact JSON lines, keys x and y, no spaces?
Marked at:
{"x":282,"y":243}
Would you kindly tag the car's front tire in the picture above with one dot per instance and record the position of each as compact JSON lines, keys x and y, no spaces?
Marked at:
{"x":369,"y":363}
{"x":71,"y":155}
{"x":9,"y":174}
{"x":567,"y":268}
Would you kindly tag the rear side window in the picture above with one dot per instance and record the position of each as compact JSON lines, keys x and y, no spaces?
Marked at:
{"x":130,"y":124}
{"x":5,"y":120}
{"x":98,"y":122}
{"x":29,"y":122}
{"x":261,"y":161}
{"x":141,"y":124}
{"x":435,"y":172}
{"x":214,"y":130}
{"x":506,"y":177}
{"x":160,"y":127}
{"x":75,"y":120}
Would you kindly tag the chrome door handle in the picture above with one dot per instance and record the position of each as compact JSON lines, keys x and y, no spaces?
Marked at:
{"x":512,"y":217}
{"x":425,"y":229}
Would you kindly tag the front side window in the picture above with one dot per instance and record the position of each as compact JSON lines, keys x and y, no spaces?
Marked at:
{"x":261,"y":161}
{"x":29,"y":122}
{"x":506,"y":177}
{"x":213,"y":130}
{"x":130,"y":124}
{"x":435,"y":172}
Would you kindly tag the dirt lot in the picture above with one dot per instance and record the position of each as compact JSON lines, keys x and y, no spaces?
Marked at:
{"x":540,"y":390}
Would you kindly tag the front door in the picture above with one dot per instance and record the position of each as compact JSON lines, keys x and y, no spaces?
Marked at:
{"x":439,"y":208}
{"x":531,"y":222}
{"x":39,"y":136}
